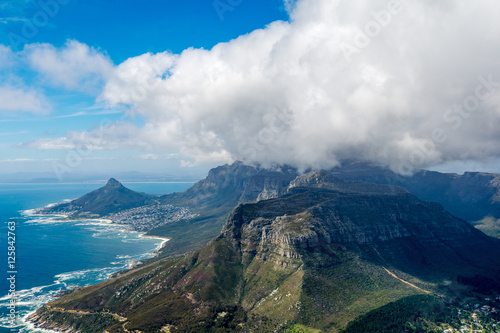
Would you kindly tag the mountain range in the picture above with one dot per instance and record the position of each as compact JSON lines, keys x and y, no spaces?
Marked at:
{"x":275,"y":250}
{"x":472,"y":196}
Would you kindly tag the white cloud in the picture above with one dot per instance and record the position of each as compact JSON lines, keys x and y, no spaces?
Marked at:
{"x":318,"y":89}
{"x":187,"y":164}
{"x":6,"y":57}
{"x":289,"y":5}
{"x":75,"y":66}
{"x":149,"y":157}
{"x":133,"y":80}
{"x":109,"y":136}
{"x":7,"y":20}
{"x":15,"y":96}
{"x":87,"y":113}
{"x":14,"y":100}
{"x":18,"y":160}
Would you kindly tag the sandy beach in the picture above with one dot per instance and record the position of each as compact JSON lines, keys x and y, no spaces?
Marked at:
{"x":164,"y":241}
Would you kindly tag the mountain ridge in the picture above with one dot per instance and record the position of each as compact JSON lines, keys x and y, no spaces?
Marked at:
{"x":320,"y":255}
{"x":228,"y":185}
{"x":472,"y":196}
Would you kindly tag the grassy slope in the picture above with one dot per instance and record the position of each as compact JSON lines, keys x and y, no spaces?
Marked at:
{"x":190,"y":235}
{"x":404,"y":315}
{"x":489,"y":226}
{"x":226,"y":284}
{"x":317,"y":297}
{"x":425,"y":313}
{"x":193,"y":234}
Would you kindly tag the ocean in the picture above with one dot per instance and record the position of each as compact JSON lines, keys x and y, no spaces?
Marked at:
{"x":52,"y":256}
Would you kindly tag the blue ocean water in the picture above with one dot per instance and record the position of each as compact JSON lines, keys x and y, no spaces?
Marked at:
{"x":51,"y":255}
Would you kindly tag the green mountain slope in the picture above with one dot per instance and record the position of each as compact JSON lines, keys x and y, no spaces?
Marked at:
{"x":489,"y":226}
{"x":214,"y":197}
{"x":321,"y":255}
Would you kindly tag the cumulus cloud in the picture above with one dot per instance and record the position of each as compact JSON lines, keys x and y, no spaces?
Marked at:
{"x":24,"y":100}
{"x":107,"y":136}
{"x":75,"y":66}
{"x":6,"y":57}
{"x":289,"y":5}
{"x":15,"y":96}
{"x":149,"y":157}
{"x":405,"y":83}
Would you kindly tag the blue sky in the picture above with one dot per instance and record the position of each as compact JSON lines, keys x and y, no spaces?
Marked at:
{"x":126,"y":28}
{"x":119,"y":29}
{"x":177,"y":87}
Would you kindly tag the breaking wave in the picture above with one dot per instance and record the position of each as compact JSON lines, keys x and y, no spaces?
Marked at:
{"x":28,"y":300}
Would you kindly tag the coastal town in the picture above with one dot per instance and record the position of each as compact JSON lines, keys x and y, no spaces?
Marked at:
{"x":145,"y":218}
{"x":142,"y":218}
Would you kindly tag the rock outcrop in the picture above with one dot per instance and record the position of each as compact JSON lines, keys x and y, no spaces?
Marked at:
{"x":236,"y":183}
{"x":40,"y":322}
{"x":471,"y":196}
{"x":310,"y":256}
{"x":386,"y":223}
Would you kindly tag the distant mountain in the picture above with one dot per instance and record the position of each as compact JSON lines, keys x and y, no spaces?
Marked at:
{"x":471,"y":196}
{"x":214,"y":197}
{"x":111,"y":198}
{"x":324,"y":252}
{"x":229,"y":185}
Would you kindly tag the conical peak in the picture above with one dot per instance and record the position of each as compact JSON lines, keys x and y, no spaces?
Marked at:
{"x":113,"y":183}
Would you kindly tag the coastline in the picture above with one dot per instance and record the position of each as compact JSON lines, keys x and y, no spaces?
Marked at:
{"x":66,"y":218}
{"x":39,"y":218}
{"x":32,"y":320}
{"x":159,"y":247}
{"x":36,"y":321}
{"x":108,"y":221}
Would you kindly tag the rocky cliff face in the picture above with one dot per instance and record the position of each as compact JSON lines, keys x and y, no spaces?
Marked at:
{"x":213,"y":199}
{"x":321,"y":254}
{"x":236,"y":183}
{"x":326,"y":180}
{"x":495,"y":183}
{"x":40,"y":322}
{"x":470,"y":196}
{"x":386,"y":223}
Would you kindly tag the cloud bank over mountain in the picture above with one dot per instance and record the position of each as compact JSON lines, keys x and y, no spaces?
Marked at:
{"x":405,"y":83}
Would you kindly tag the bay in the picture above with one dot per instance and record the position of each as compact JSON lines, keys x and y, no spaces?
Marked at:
{"x":53,"y":255}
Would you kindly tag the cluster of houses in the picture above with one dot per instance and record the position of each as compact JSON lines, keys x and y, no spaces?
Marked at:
{"x":147,"y":217}
{"x":474,"y":325}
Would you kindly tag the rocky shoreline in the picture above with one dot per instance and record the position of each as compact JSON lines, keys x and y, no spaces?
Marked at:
{"x":39,"y":322}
